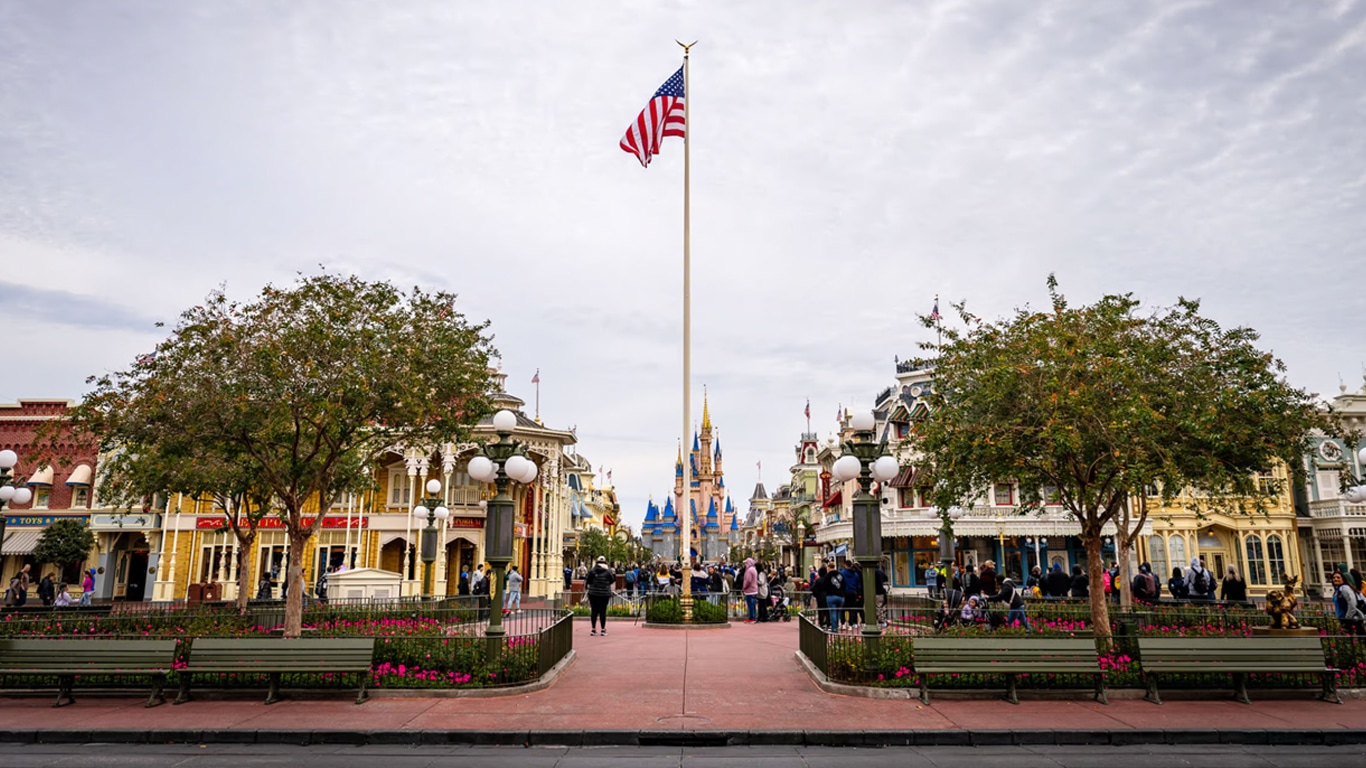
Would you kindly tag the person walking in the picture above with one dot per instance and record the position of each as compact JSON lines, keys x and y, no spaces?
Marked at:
{"x":762,"y":579}
{"x":932,"y":580}
{"x":1234,"y":589}
{"x":1349,"y":606}
{"x":47,"y":589}
{"x":833,"y":586}
{"x":462,"y":586}
{"x":853,"y":594}
{"x":512,"y":601}
{"x":20,"y":585}
{"x":1199,"y":581}
{"x":598,"y":583}
{"x":1145,"y":587}
{"x":1176,"y":585}
{"x":972,"y":583}
{"x":820,"y":587}
{"x":987,"y":578}
{"x":1013,"y":601}
{"x":88,"y":586}
{"x":1081,"y":585}
{"x":1056,"y":583}
{"x":749,"y":587}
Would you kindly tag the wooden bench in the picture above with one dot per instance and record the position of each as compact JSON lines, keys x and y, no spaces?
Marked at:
{"x":66,"y":659}
{"x":1237,"y":656}
{"x":275,"y":656}
{"x":1007,"y":656}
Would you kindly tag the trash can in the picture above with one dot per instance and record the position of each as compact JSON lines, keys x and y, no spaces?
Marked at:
{"x":196,"y":594}
{"x":213,"y":592}
{"x":576,"y":588}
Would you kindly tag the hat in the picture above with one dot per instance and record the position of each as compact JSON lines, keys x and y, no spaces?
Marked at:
{"x":602,"y":559}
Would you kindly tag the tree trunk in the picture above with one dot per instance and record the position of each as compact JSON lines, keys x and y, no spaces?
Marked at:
{"x":294,"y":578}
{"x":1122,"y":544}
{"x":1100,"y":610}
{"x":246,"y":543}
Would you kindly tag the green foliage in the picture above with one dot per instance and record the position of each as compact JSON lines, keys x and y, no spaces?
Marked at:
{"x":1095,"y":403}
{"x":292,"y":396}
{"x":65,"y":542}
{"x":704,"y":612}
{"x":664,"y":612}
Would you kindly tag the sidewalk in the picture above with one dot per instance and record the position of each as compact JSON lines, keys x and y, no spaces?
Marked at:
{"x":637,"y":685}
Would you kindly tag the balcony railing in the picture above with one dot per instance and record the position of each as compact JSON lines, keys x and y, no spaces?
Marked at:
{"x":1336,"y":508}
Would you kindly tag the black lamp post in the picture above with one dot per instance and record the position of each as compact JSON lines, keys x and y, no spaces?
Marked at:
{"x":8,"y":493}
{"x":866,"y":460}
{"x":430,"y":510}
{"x":500,"y":463}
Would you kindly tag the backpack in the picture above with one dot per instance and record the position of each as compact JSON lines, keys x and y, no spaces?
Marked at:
{"x":631,"y":576}
{"x":837,"y":582}
{"x":1201,"y":585}
{"x":1149,"y":586}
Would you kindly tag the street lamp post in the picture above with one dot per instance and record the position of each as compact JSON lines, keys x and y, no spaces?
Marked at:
{"x":1357,"y":493}
{"x":866,"y":461}
{"x":430,"y":510}
{"x":500,"y":463}
{"x":10,"y":493}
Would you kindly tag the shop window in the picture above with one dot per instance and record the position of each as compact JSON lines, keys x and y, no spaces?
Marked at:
{"x":41,"y":496}
{"x":215,"y":564}
{"x":1157,"y":557}
{"x":80,"y":497}
{"x":1004,"y":495}
{"x":1256,"y":566}
{"x":923,"y":494}
{"x":1266,"y":482}
{"x":399,"y":491}
{"x":905,"y":497}
{"x":1275,"y":559}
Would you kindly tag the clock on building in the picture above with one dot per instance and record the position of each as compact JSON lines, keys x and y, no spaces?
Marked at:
{"x":1330,"y":451}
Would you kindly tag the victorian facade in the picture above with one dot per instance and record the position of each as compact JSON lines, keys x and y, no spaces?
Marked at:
{"x":1333,"y":531}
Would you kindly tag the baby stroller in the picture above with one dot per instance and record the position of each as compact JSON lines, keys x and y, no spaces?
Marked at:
{"x":781,"y":605}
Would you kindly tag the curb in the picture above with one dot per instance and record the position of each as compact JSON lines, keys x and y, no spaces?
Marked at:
{"x":699,"y":738}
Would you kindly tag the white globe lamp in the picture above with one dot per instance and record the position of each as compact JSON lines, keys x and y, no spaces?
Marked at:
{"x":504,"y":421}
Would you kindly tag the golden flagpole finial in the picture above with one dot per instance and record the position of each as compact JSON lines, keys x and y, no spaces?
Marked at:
{"x":686,"y":46}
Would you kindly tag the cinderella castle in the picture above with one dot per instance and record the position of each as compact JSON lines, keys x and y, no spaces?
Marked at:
{"x":711,"y":534}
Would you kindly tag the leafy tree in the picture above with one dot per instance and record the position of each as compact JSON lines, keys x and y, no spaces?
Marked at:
{"x":293,"y":396}
{"x":1096,"y":403}
{"x":66,"y":543}
{"x":594,"y":543}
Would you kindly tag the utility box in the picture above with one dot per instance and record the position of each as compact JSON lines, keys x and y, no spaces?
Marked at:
{"x":363,"y":584}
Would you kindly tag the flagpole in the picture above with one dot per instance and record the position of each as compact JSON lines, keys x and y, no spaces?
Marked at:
{"x":685,"y":509}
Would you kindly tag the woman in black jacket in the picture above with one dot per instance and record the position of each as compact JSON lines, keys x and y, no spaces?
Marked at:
{"x":1234,"y":589}
{"x":1081,"y":586}
{"x":820,"y":587}
{"x":598,"y":584}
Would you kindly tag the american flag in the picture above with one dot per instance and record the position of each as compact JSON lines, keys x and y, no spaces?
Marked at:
{"x":808,"y":409}
{"x":663,"y":116}
{"x":537,"y":378}
{"x":934,"y":313}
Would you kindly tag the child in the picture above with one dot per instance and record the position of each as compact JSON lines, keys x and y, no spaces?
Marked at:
{"x":63,"y":597}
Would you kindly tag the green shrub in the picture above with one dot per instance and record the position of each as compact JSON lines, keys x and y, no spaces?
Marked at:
{"x":704,"y":612}
{"x":665,"y":612}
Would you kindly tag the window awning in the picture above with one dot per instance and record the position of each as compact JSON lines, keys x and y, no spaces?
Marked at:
{"x":41,"y":477}
{"x":834,"y":501}
{"x":81,"y":475}
{"x":21,"y":542}
{"x":905,"y":478}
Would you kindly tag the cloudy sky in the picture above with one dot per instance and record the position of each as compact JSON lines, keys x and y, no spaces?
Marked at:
{"x":850,"y":161}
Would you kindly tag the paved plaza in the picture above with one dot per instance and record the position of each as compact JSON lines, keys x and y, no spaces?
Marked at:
{"x":743,"y":679}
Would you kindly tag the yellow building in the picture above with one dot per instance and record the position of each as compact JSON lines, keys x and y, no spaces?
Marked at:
{"x":1263,"y":548}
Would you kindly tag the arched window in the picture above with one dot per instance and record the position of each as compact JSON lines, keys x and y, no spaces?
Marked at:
{"x":1157,"y":557}
{"x":1275,"y":559}
{"x":1178,"y":544}
{"x":1256,"y":566}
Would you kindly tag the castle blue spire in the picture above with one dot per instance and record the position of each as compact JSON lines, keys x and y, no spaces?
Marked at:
{"x":696,"y":446}
{"x":729,"y":507}
{"x":717,"y":452}
{"x":669,"y":508}
{"x":735,"y":522}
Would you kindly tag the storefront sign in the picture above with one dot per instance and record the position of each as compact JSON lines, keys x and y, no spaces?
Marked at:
{"x":519,"y":530}
{"x":134,"y":522}
{"x":466,"y":522}
{"x":39,"y":521}
{"x":218,"y":522}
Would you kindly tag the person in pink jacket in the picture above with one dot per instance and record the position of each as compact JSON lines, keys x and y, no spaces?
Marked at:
{"x":749,"y":586}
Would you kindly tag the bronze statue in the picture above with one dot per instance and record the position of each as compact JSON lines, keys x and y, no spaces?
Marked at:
{"x":1281,"y":605}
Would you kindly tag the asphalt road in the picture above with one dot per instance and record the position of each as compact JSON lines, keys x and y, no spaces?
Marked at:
{"x":194,"y":756}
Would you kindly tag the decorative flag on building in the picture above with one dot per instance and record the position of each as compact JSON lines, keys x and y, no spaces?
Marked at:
{"x":808,"y":409}
{"x":934,"y":313}
{"x":537,"y":378}
{"x":663,"y":116}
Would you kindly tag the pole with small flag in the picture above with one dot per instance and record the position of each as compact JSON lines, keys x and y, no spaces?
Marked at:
{"x":537,"y":381}
{"x":934,"y":317}
{"x":808,"y":415}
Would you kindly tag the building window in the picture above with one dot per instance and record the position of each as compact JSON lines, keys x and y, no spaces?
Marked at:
{"x":1157,"y":557}
{"x":41,"y":496}
{"x":1004,"y":495}
{"x":1051,"y":495}
{"x":902,"y":430}
{"x":923,"y":493}
{"x":80,"y":497}
{"x":1152,"y":490}
{"x":399,"y":490}
{"x":905,"y":497}
{"x":1266,"y":482}
{"x":1178,"y":549}
{"x":215,"y":564}
{"x":1256,"y":567}
{"x":1275,"y":559}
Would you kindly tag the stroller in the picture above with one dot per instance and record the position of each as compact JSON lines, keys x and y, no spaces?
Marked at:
{"x":780,"y":604}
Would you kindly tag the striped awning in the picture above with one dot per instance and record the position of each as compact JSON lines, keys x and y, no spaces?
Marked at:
{"x":21,"y":541}
{"x":905,"y":478}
